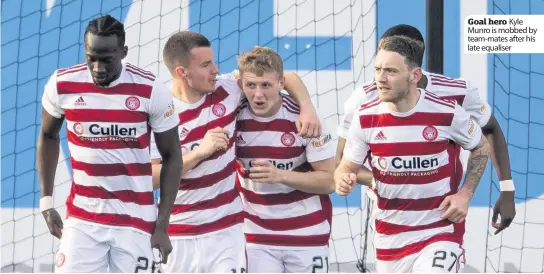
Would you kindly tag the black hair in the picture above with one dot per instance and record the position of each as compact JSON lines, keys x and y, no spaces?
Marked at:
{"x":409,"y":48}
{"x":178,"y":48}
{"x":405,"y":30}
{"x":105,"y":26}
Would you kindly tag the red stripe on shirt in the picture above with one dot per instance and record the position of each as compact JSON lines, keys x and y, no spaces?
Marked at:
{"x":288,"y":240}
{"x":266,"y":152}
{"x":413,"y":248}
{"x":281,"y":125}
{"x":105,"y":115}
{"x":222,"y":199}
{"x":133,"y":89}
{"x":187,"y":230}
{"x":408,"y":148}
{"x":416,"y":119}
{"x":133,"y":169}
{"x":219,"y":95}
{"x":126,"y":196}
{"x":209,"y":179}
{"x":275,"y":198}
{"x":198,"y":133}
{"x":291,"y":223}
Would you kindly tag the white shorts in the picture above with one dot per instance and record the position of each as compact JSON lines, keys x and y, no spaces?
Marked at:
{"x":88,"y":248}
{"x":223,"y":252}
{"x":268,"y":260}
{"x":439,"y":257}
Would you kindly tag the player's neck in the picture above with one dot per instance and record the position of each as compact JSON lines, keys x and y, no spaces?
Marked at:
{"x":184,"y":92}
{"x":407,"y":103}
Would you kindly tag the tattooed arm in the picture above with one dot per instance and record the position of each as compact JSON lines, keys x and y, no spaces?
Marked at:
{"x":467,"y":133}
{"x":477,"y":161}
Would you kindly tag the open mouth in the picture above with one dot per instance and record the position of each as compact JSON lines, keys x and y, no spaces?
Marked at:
{"x":259,"y":104}
{"x":100,"y":78}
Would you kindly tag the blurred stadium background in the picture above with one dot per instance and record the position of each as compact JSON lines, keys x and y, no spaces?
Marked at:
{"x":331,"y":45}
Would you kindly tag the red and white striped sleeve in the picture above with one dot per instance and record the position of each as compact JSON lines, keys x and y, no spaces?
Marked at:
{"x":50,"y":98}
{"x":162,"y":114}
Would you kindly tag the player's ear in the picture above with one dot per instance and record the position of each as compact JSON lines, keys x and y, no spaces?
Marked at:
{"x":125,"y":52}
{"x":282,"y":82}
{"x":416,"y":74}
{"x":239,"y":81}
{"x":181,"y":72}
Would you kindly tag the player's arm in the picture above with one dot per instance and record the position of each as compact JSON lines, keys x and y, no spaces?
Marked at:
{"x":164,"y":121}
{"x":47,"y":154}
{"x":356,"y":99}
{"x":481,"y":111}
{"x":499,"y":150}
{"x":215,"y":139}
{"x":308,"y":124}
{"x":465,"y":132}
{"x":170,"y":172}
{"x":320,"y":155}
{"x":317,"y":181}
{"x":354,"y":155}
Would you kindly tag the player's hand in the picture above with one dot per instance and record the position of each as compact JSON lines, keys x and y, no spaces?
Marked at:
{"x":456,"y":206}
{"x":308,"y":124}
{"x":214,"y":140}
{"x":161,"y":241}
{"x":262,"y":171}
{"x":506,"y":208}
{"x":53,"y":221}
{"x":345,"y":183}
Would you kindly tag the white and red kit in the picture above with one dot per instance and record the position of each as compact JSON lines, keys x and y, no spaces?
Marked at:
{"x":110,"y":210}
{"x":206,"y":221}
{"x":466,"y":95}
{"x":287,"y":230}
{"x":415,"y":163}
{"x":459,"y":90}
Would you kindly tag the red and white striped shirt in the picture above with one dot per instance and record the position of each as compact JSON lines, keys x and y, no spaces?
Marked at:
{"x":415,"y":162}
{"x":207,"y":200}
{"x":445,"y":87}
{"x":108,"y":131}
{"x":278,"y":216}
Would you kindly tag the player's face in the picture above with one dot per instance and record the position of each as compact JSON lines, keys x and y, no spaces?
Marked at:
{"x":103,"y":55}
{"x":392,"y":76}
{"x":202,"y":70}
{"x":262,"y":92}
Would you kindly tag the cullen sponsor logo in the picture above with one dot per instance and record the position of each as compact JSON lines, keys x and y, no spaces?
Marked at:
{"x":101,"y":133}
{"x":284,"y":166}
{"x":414,"y":163}
{"x":112,"y":130}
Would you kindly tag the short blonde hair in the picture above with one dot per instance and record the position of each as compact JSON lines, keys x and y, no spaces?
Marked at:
{"x":260,"y":60}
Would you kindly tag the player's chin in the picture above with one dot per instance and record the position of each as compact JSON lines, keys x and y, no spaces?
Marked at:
{"x":100,"y":81}
{"x":385,"y":97}
{"x":260,"y":108}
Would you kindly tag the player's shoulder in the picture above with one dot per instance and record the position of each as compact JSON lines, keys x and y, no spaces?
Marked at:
{"x":75,"y":73}
{"x":139,"y":75}
{"x":439,"y":83}
{"x":434,"y":103}
{"x":369,"y":87}
{"x":290,"y":106}
{"x":371,"y":106}
{"x":228,"y":82}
